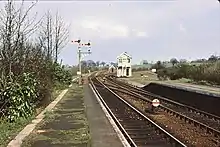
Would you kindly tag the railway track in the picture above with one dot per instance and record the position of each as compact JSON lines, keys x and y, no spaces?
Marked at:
{"x":205,"y":120}
{"x":138,"y":129}
{"x":163,"y":99}
{"x":199,"y":134}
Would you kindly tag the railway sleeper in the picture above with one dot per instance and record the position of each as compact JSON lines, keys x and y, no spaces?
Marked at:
{"x":137,"y":127}
{"x":216,"y":141}
{"x":144,"y":136}
{"x":119,"y":113}
{"x":125,"y":119}
{"x":146,"y":130}
{"x":134,"y":124}
{"x":153,"y":143}
{"x":190,"y":121}
{"x":151,"y":139}
{"x":134,"y":131}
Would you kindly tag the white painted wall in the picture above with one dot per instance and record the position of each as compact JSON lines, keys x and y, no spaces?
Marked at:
{"x":124,"y":61}
{"x":119,"y":71}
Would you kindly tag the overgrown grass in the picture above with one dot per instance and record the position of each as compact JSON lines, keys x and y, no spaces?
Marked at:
{"x":8,"y":130}
{"x":143,"y":77}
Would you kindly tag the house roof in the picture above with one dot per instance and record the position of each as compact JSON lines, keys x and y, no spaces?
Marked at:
{"x":112,"y":66}
{"x":124,"y":54}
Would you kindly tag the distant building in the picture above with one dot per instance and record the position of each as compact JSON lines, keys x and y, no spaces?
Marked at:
{"x":124,"y":65}
{"x":111,"y":69}
{"x":144,"y":62}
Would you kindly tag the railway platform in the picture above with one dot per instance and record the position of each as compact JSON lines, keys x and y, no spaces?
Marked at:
{"x":208,"y":90}
{"x":76,"y":120}
{"x":102,"y":132}
{"x":215,"y":91}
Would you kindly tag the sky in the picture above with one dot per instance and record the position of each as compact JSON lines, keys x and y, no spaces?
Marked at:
{"x":147,"y":30}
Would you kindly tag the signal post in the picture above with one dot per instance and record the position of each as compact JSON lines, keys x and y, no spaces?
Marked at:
{"x":80,"y":53}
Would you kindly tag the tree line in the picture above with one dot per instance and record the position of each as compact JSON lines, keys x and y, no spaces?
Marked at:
{"x":203,"y":71}
{"x":97,"y":63}
{"x":175,"y":61}
{"x":90,"y":65}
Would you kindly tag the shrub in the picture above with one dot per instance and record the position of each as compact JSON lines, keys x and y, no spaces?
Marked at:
{"x":19,"y":95}
{"x":162,"y":74}
{"x":206,"y":72}
{"x":157,"y":65}
{"x":61,"y":75}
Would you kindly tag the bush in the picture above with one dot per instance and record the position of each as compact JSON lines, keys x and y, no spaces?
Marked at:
{"x":162,"y":74}
{"x":19,"y":95}
{"x":172,"y":73}
{"x":158,"y":66}
{"x":209,"y":72}
{"x":30,"y":56}
{"x":61,"y":75}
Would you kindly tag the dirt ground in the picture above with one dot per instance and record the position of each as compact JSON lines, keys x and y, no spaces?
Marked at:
{"x":143,"y":77}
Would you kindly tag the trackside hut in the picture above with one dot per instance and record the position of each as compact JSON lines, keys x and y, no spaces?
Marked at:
{"x":111,"y":69}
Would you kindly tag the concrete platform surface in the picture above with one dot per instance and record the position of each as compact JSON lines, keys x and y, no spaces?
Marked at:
{"x":213,"y":91}
{"x":102,"y":132}
{"x":197,"y":88}
{"x":65,"y":125}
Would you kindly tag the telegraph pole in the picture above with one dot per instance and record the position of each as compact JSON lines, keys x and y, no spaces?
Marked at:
{"x":80,"y":53}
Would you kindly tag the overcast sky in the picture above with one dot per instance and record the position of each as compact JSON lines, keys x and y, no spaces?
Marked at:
{"x":148,"y":30}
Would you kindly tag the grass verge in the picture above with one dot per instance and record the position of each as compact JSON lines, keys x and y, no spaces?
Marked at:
{"x":9,"y":130}
{"x":143,"y":77}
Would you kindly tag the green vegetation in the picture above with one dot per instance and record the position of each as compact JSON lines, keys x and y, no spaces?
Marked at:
{"x":61,"y":76}
{"x":143,"y":77}
{"x":9,"y":130}
{"x":203,"y":73}
{"x":30,"y":74}
{"x":20,"y":95}
{"x":91,"y":66}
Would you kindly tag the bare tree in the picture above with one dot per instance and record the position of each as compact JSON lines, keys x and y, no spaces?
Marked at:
{"x":15,"y":27}
{"x":54,"y":35}
{"x":61,"y":35}
{"x":46,"y":34}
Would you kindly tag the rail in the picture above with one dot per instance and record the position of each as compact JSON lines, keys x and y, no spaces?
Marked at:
{"x":138,"y":93}
{"x":134,"y":110}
